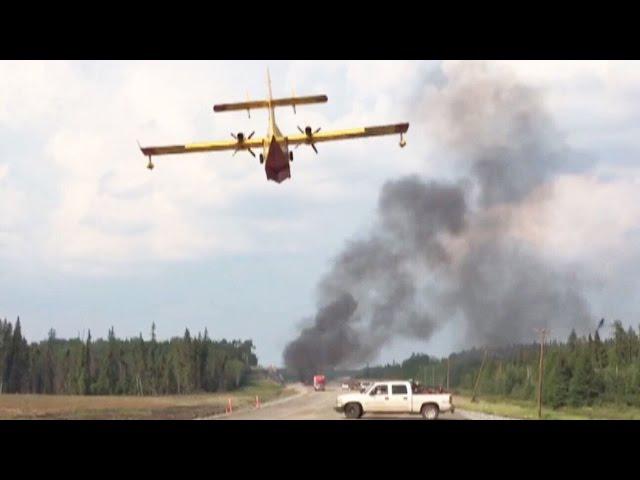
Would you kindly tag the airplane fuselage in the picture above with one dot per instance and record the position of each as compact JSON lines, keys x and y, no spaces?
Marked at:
{"x":276,"y":154}
{"x":276,"y":164}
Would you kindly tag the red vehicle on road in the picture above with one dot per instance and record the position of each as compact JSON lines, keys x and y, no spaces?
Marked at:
{"x":319,"y":382}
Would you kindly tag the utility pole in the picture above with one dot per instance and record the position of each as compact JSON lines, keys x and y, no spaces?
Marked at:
{"x":475,"y":386}
{"x":542,"y":332}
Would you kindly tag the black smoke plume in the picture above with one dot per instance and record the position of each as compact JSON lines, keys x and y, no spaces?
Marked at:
{"x":441,"y":250}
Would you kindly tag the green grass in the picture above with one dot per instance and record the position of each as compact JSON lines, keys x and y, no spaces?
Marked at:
{"x":523,"y":409}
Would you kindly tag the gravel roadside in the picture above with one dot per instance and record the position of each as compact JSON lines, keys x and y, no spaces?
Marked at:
{"x":468,"y":415}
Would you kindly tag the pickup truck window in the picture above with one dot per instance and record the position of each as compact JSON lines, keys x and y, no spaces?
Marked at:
{"x":380,"y":390}
{"x":398,"y":389}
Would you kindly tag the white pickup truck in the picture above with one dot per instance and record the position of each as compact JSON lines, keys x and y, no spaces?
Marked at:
{"x":394,"y":397}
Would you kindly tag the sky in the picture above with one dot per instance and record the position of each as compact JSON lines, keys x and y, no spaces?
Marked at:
{"x":89,"y":238}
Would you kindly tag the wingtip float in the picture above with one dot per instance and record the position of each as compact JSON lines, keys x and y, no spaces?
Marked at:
{"x":276,"y":155}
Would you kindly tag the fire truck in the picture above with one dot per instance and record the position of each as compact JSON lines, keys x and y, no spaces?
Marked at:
{"x":319,"y":382}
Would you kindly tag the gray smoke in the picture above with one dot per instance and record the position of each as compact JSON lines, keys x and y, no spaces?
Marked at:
{"x":440,"y":250}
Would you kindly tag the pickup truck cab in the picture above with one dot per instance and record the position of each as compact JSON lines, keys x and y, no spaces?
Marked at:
{"x":394,"y":397}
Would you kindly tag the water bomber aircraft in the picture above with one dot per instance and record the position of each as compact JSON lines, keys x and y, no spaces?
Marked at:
{"x":276,"y":154}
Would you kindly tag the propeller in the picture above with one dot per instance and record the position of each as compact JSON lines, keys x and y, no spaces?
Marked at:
{"x":309,"y":132}
{"x":239,"y":137}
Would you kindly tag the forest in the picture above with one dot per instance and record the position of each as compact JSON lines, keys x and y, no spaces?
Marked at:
{"x":115,"y":366}
{"x":581,"y":371}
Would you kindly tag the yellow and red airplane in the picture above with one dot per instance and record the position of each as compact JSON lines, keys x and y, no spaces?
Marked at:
{"x":276,"y":155}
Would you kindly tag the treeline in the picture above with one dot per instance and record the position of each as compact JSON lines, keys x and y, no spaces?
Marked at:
{"x":117,"y":366}
{"x":581,"y":371}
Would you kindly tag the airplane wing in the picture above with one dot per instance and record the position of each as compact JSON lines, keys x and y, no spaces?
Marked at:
{"x":203,"y":147}
{"x":309,"y":137}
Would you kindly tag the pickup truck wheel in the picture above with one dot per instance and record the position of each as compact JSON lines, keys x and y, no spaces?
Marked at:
{"x":430,"y":411}
{"x":353,"y":410}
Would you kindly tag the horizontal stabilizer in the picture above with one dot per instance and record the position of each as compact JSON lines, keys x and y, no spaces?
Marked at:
{"x":276,"y":102}
{"x":289,"y":101}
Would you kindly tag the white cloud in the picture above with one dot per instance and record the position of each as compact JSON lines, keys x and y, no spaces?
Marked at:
{"x":12,"y":209}
{"x":33,"y":93}
{"x":108,"y":210}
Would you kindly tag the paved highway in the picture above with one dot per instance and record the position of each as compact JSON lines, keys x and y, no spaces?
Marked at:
{"x":310,"y":405}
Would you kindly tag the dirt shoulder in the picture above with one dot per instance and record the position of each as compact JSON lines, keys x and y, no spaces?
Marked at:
{"x":288,"y":396}
{"x":170,"y":407}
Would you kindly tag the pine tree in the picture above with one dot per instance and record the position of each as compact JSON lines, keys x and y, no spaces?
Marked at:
{"x":632,"y":340}
{"x":621,"y":345}
{"x":581,"y":388}
{"x":6,"y":337}
{"x":572,"y":341}
{"x":49,"y":364}
{"x":83,"y":376}
{"x":600,"y":353}
{"x":140,"y":366}
{"x":153,"y":370}
{"x":36,"y":375}
{"x":557,"y":385}
{"x":18,"y":363}
{"x":632,"y":388}
{"x":124,"y":377}
{"x":67,"y":373}
{"x":186,"y":364}
{"x":107,"y":382}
